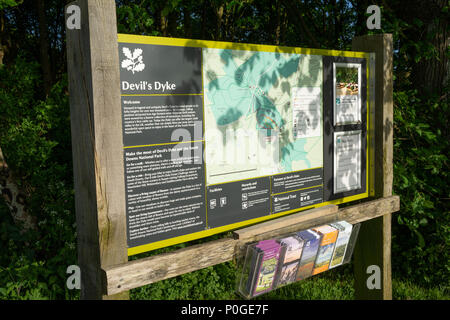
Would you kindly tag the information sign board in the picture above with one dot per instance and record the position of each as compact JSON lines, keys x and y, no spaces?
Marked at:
{"x":220,"y":135}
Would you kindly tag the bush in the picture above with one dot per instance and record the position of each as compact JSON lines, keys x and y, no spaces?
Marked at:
{"x":35,"y":140}
{"x":421,"y":234}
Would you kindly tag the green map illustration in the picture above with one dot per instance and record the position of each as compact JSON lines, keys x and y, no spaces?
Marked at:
{"x":251,"y":113}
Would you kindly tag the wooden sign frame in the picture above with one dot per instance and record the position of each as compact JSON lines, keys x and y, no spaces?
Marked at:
{"x":94,"y":86}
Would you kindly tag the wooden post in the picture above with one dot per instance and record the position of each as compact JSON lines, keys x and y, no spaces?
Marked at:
{"x":374,"y":243}
{"x":93,"y":71}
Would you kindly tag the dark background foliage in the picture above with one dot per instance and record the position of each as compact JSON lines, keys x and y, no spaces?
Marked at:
{"x":35,"y":127}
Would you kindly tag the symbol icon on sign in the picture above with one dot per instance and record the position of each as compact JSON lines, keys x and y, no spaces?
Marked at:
{"x":244,"y":197}
{"x":212,"y":203}
{"x":223,"y":201}
{"x":244,"y":205}
{"x":134,"y":61}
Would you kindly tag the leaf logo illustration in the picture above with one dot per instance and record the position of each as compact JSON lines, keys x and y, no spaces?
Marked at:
{"x":134,"y":61}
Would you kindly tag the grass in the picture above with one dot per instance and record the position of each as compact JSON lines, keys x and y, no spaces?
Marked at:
{"x":405,"y":290}
{"x":335,"y":284}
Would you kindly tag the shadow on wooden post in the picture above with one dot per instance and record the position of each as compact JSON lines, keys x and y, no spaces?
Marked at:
{"x":374,"y":243}
{"x":92,"y":62}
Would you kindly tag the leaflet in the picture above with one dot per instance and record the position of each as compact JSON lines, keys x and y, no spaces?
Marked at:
{"x":347,"y":161}
{"x":306,"y":112}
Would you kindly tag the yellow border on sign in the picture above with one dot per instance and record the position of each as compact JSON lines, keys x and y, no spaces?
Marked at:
{"x":160,"y":94}
{"x":370,"y":140}
{"x":180,"y":42}
{"x":126,"y":38}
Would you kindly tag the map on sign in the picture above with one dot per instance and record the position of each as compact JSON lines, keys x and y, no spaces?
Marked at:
{"x":262,"y":111}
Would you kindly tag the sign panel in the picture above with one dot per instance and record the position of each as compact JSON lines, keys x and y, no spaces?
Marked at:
{"x":306,"y":112}
{"x":347,"y":160}
{"x":221,"y":135}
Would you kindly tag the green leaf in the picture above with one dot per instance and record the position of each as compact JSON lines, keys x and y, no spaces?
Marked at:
{"x":420,"y":238}
{"x":9,"y":3}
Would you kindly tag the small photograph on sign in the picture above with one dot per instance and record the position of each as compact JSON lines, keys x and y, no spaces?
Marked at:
{"x":347,"y":103}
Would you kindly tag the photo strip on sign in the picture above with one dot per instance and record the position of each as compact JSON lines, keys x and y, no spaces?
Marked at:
{"x":345,"y":123}
{"x":220,"y":135}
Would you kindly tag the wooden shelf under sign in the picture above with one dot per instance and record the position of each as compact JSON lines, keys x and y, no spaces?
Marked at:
{"x":145,"y":271}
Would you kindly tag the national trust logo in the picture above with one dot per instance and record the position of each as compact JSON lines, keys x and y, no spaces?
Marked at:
{"x":134,"y":61}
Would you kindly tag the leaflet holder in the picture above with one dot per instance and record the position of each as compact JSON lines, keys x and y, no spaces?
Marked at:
{"x":274,"y":263}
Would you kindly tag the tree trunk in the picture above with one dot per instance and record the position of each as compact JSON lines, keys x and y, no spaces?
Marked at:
{"x":278,"y":23}
{"x":431,"y":74}
{"x":283,"y":26}
{"x":296,"y":15}
{"x":361,"y":17}
{"x":44,"y":47}
{"x":219,"y":13}
{"x":14,"y":198}
{"x":333,"y":38}
{"x":203,"y":25}
{"x":2,"y":30}
{"x":163,"y":24}
{"x":187,"y":21}
{"x":172,"y":18}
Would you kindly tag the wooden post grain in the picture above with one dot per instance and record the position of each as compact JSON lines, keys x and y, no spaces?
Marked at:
{"x":96,"y":126}
{"x":374,"y":243}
